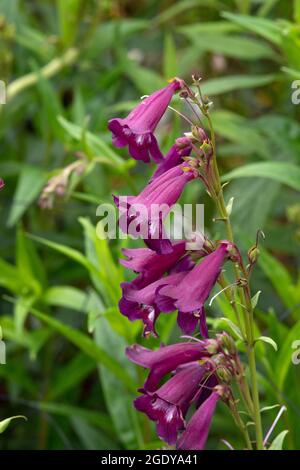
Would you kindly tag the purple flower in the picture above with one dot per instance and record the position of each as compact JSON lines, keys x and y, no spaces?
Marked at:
{"x":144,"y":214}
{"x":138,"y":302}
{"x":181,"y":148}
{"x":191,"y":293}
{"x":1,"y":183}
{"x":150,"y":265}
{"x":169,"y":404}
{"x":136,"y":130}
{"x":166,"y":359}
{"x":195,"y":435}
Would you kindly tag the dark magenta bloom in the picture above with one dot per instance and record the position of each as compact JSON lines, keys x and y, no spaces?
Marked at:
{"x":195,"y":435}
{"x":138,"y":302}
{"x":136,"y":130}
{"x":143,"y":215}
{"x":150,"y":265}
{"x":1,"y":183}
{"x":181,"y":148}
{"x":194,"y":383}
{"x":191,"y":293}
{"x":168,"y":405}
{"x":166,"y":359}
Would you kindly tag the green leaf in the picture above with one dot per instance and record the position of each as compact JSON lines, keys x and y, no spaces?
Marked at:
{"x":6,"y":422}
{"x":21,"y":310}
{"x":90,"y":437}
{"x":255,"y":298}
{"x":182,"y":7}
{"x":85,"y":344}
{"x":238,"y":129}
{"x":99,"y":255}
{"x":290,"y":46}
{"x":71,"y":253}
{"x":291,"y":72}
{"x":265,"y":28}
{"x":235,"y":46}
{"x":146,"y":80}
{"x":96,"y":146}
{"x":118,"y":400}
{"x":67,"y":296}
{"x":278,"y":441}
{"x":70,"y":375}
{"x":29,"y":185}
{"x":68,"y":15}
{"x":279,"y":277}
{"x":269,"y":408}
{"x":170,"y":58}
{"x":94,"y":417}
{"x":32,"y":340}
{"x":10,"y":278}
{"x":268,"y":340}
{"x":223,"y":322}
{"x":208,"y":27}
{"x":297,"y":11}
{"x":78,"y":257}
{"x":29,"y":264}
{"x":285,"y":173}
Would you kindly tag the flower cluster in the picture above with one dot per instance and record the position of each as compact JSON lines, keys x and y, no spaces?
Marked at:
{"x":201,"y":371}
{"x":172,"y":282}
{"x":169,"y":278}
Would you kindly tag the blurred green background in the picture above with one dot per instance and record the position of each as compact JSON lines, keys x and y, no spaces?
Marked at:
{"x":69,"y":66}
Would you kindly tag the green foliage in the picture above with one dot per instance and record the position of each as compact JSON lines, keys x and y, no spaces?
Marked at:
{"x":70,"y":66}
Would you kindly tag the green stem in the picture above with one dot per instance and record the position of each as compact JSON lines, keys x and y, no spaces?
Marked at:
{"x":53,"y":67}
{"x":245,"y":295}
{"x":241,"y":425}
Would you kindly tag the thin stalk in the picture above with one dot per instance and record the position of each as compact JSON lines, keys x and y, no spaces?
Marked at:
{"x":241,"y":425}
{"x":52,"y":68}
{"x":245,"y":295}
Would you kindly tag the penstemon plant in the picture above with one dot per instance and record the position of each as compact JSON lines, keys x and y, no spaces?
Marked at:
{"x":186,"y":379}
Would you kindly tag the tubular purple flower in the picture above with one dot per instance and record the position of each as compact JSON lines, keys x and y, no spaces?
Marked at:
{"x":195,"y":435}
{"x":191,"y":293}
{"x":1,"y":183}
{"x":148,"y":210}
{"x":181,"y":148}
{"x":136,"y":130}
{"x":166,"y":359}
{"x":139,"y":302}
{"x":149,"y":264}
{"x":170,"y":403}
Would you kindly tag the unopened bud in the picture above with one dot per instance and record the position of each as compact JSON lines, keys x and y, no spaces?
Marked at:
{"x":199,"y":134}
{"x":227,"y":343}
{"x":212,"y":346}
{"x":206,"y":148}
{"x":253,"y":254}
{"x":196,"y":78}
{"x":184,"y":94}
{"x":224,"y":374}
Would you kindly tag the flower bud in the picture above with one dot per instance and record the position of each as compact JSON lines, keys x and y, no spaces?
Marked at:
{"x":253,"y":254}
{"x":206,"y":148}
{"x":224,"y":374}
{"x":227,"y":343}
{"x":199,"y":134}
{"x":212,"y":346}
{"x":184,"y":94}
